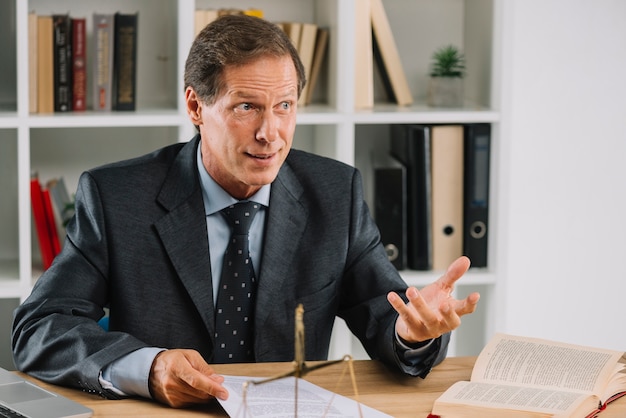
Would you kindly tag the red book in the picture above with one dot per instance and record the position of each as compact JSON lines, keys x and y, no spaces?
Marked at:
{"x":41,"y":223}
{"x":79,"y":64}
{"x":52,"y":226}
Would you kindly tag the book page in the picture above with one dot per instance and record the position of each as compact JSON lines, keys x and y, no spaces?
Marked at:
{"x":277,"y":399}
{"x":513,"y":397}
{"x":546,"y":364}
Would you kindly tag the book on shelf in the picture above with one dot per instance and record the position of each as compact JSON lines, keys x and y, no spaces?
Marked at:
{"x":321,"y":43}
{"x":363,"y":56}
{"x":103,"y":61}
{"x":306,"y":49}
{"x":62,"y":63}
{"x":390,"y":211}
{"x":476,"y":192}
{"x":32,"y":62}
{"x":517,"y":376}
{"x":411,"y":145}
{"x":124,"y":88}
{"x":45,"y":64}
{"x":51,"y":221}
{"x":79,"y":63}
{"x":62,"y":202}
{"x":47,"y":236}
{"x":387,"y":57}
{"x":446,"y":194}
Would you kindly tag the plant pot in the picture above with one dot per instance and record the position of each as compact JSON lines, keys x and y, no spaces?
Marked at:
{"x":445,"y":92}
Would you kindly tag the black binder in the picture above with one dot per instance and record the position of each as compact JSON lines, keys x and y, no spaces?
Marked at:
{"x":477,"y":139}
{"x":410,"y":144}
{"x":390,"y":212}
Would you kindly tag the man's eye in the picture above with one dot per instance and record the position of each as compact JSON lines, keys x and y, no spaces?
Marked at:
{"x":245,"y":106}
{"x":285,"y":105}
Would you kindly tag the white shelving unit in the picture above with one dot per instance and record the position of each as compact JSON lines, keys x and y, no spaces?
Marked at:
{"x":66,"y":144}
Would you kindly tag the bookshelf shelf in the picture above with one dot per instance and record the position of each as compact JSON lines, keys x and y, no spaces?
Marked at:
{"x":330,"y":126}
{"x":90,"y":119}
{"x":390,"y":114}
{"x":9,"y":120}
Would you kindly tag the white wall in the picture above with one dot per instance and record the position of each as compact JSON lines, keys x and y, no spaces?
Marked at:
{"x":564,"y":210}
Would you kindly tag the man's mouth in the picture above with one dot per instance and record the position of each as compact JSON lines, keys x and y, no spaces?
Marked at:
{"x":261,"y":156}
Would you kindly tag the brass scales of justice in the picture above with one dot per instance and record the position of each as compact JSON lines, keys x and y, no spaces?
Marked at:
{"x":300,"y":369}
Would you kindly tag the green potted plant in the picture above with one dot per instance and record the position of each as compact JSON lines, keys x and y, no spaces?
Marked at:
{"x":446,"y":77}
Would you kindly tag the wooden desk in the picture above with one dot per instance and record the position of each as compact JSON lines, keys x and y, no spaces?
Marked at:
{"x":380,"y":388}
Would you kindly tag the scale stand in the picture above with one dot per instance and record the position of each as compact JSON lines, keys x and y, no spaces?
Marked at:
{"x":300,"y":368}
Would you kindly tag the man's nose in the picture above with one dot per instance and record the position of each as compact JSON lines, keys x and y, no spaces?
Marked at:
{"x":268,"y":128}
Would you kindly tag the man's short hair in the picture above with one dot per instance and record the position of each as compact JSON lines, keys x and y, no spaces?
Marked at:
{"x":233,"y":40}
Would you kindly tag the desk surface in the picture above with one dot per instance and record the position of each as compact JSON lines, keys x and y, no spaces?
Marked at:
{"x":380,"y":388}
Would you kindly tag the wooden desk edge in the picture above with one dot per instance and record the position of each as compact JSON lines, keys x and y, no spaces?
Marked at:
{"x":379,"y":388}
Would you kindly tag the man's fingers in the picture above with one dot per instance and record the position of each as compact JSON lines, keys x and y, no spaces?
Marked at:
{"x":470,"y":303}
{"x":182,"y":377}
{"x":467,"y":305}
{"x":416,"y":301}
{"x":455,"y":271}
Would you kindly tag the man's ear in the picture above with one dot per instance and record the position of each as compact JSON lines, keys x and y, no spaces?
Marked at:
{"x":194,"y":106}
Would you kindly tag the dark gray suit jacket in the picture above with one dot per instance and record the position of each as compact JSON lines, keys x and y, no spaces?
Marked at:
{"x":138,"y":244}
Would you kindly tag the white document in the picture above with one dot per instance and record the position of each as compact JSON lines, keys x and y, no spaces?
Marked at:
{"x":277,"y":399}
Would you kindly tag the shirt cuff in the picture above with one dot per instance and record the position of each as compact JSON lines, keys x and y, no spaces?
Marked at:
{"x":412,"y":354}
{"x":128,"y":375}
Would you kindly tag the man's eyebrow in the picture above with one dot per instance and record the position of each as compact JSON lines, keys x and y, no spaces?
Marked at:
{"x":243,"y":94}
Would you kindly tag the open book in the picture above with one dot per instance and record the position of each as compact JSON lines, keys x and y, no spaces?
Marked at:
{"x":518,"y":376}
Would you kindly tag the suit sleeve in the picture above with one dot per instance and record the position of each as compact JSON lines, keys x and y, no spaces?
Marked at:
{"x":369,"y":276}
{"x":56,"y":336}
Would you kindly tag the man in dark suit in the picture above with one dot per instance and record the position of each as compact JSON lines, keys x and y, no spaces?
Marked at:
{"x":148,"y":238}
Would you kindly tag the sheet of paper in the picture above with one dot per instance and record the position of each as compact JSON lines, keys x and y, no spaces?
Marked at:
{"x":277,"y":399}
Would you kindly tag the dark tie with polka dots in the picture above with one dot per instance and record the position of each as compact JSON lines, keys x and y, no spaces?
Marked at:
{"x":235,"y":298}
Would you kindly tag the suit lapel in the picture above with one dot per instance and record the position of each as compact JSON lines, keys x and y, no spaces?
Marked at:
{"x":285,"y":225}
{"x":183,"y":231}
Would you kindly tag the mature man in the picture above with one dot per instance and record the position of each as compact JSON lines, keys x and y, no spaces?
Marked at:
{"x":149,"y":237}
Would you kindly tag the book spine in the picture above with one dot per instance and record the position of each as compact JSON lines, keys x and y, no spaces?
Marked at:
{"x":51,"y":223}
{"x":45,"y":64}
{"x":321,"y":44}
{"x":79,"y":64}
{"x":41,"y":223}
{"x":385,"y":46}
{"x":62,"y":64}
{"x":306,"y":49}
{"x":390,"y":212}
{"x":125,"y":62}
{"x":61,"y":199}
{"x":32,"y":62}
{"x":103,"y":61}
{"x":476,"y":193}
{"x":447,"y":194}
{"x":411,"y":145}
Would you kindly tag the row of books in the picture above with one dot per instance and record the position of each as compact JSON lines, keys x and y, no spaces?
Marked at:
{"x":309,"y":39}
{"x":376,"y":46}
{"x":58,"y":62}
{"x":432,"y":205}
{"x":52,"y":209}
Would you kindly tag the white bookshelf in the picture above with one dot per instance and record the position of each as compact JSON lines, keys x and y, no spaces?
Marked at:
{"x":67,"y":144}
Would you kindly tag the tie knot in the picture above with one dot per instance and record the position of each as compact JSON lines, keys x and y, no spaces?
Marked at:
{"x":240,"y":216}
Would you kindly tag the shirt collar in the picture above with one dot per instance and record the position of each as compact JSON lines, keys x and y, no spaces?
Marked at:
{"x":215,"y":198}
